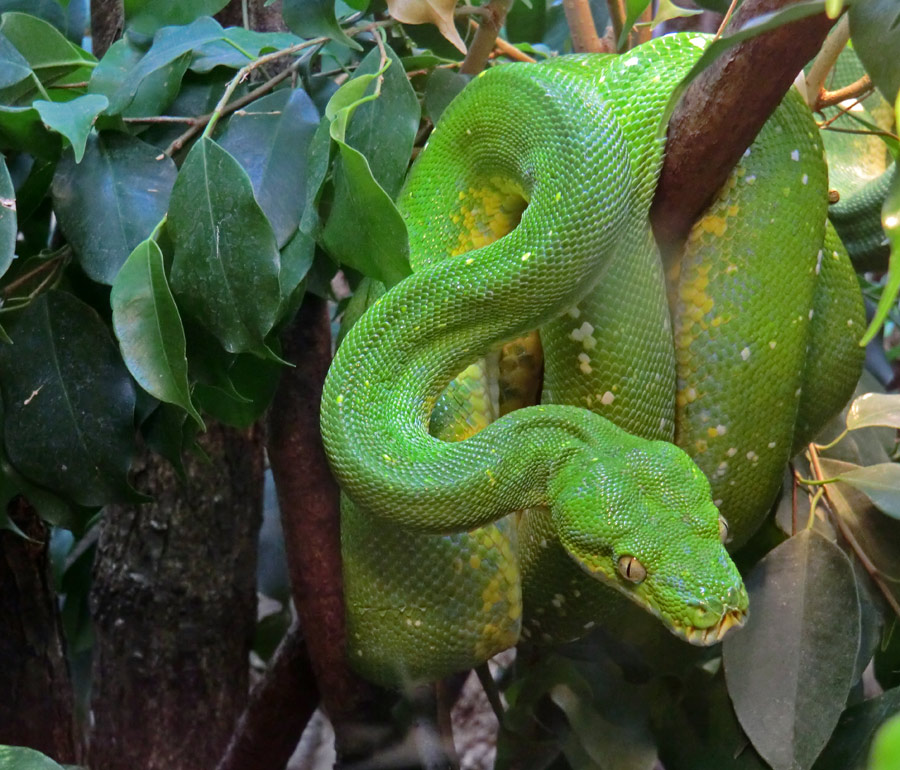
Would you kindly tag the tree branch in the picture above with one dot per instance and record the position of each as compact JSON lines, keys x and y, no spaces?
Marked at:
{"x":721,"y":113}
{"x":582,"y":28}
{"x":310,"y":512}
{"x":493,"y":17}
{"x":279,"y":708}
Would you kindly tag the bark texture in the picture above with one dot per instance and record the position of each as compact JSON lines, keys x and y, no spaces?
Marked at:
{"x":107,"y":23}
{"x":260,"y":17}
{"x":310,"y":513}
{"x":281,"y":704}
{"x":37,"y":705}
{"x":174,"y":606}
{"x":721,"y":113}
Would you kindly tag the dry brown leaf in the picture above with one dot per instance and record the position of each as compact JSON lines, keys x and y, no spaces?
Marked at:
{"x":437,"y":12}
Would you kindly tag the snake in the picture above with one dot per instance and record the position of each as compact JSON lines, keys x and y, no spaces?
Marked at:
{"x":475,"y":516}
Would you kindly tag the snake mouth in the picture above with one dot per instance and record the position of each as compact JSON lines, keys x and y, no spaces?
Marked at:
{"x":704,"y":637}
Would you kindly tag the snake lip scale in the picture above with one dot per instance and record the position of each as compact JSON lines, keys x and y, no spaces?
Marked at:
{"x":704,"y":637}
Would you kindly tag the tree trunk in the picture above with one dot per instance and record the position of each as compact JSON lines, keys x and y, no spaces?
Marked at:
{"x":36,"y":708}
{"x":107,"y":23}
{"x":174,"y":605}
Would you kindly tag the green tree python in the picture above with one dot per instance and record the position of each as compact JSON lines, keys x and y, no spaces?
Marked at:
{"x":528,"y":210}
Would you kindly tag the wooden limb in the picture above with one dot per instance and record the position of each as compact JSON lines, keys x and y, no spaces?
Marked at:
{"x":855,"y":90}
{"x":279,"y":708}
{"x":824,"y":63}
{"x":37,"y":707}
{"x":107,"y":23}
{"x":310,"y":514}
{"x":493,"y":17}
{"x":721,"y":113}
{"x":581,"y":27}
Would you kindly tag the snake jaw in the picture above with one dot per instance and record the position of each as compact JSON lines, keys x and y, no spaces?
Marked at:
{"x":704,"y":637}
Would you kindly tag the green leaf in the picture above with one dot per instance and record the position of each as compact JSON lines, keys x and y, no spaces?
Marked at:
{"x":153,"y":94}
{"x":256,"y":382}
{"x":48,"y":10}
{"x":364,"y":230}
{"x":789,"y":670}
{"x":880,"y":483}
{"x":72,"y":119}
{"x":874,"y":409}
{"x":147,"y":16}
{"x":8,"y":226}
{"x":440,"y":89}
{"x":48,"y":53}
{"x":890,"y":221}
{"x":239,"y":47}
{"x":69,"y":402}
{"x":526,"y":25}
{"x":384,"y":129}
{"x":668,"y":10}
{"x":850,"y":742}
{"x":18,"y":758}
{"x":886,"y":746}
{"x":633,"y":9}
{"x":164,"y":64}
{"x":14,"y":67}
{"x":112,"y":200}
{"x":317,"y":161}
{"x":21,"y":129}
{"x":315,"y":18}
{"x":296,"y":260}
{"x":147,"y":323}
{"x":226,"y":266}
{"x":270,"y":139}
{"x":875,"y":32}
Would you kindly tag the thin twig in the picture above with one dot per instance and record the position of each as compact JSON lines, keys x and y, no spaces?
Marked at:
{"x":726,"y":19}
{"x":490,"y":689}
{"x":163,"y":119}
{"x":855,"y":90}
{"x":863,"y":557}
{"x":825,"y":60}
{"x":49,"y":264}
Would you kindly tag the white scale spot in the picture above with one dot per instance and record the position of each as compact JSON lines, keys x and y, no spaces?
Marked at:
{"x":526,"y":256}
{"x":849,"y":322}
{"x":772,"y":444}
{"x":852,"y":105}
{"x":573,"y":312}
{"x":819,"y":261}
{"x":750,"y":179}
{"x":795,"y":155}
{"x":721,"y":430}
{"x":584,"y":363}
{"x":631,"y":62}
{"x":804,"y":179}
{"x":717,"y":502}
{"x":772,"y":344}
{"x":745,"y":353}
{"x":731,"y":452}
{"x":585,"y":330}
{"x":752,"y":456}
{"x":557,"y":600}
{"x":662,"y":423}
{"x":699,"y":42}
{"x":607,"y":398}
{"x":811,"y":313}
{"x":747,"y":153}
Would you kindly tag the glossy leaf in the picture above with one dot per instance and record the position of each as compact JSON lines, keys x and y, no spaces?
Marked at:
{"x":47,"y":51}
{"x":69,"y":402}
{"x":238,"y":47}
{"x":875,"y":29}
{"x":849,"y":745}
{"x":270,"y":139}
{"x":874,"y":409}
{"x":886,"y":746}
{"x":296,"y":260}
{"x":153,"y":94}
{"x":13,"y":66}
{"x":147,"y":323}
{"x":881,"y":483}
{"x":440,"y":89}
{"x":315,"y":18}
{"x":255,"y":380}
{"x":527,"y":24}
{"x":8,"y":226}
{"x":789,"y":670}
{"x":384,"y":129}
{"x":163,"y":64}
{"x":112,"y":200}
{"x":21,"y":129}
{"x":73,"y":119}
{"x":317,"y":163}
{"x":226,"y":266}
{"x":48,"y":10}
{"x":25,"y":759}
{"x":147,"y":16}
{"x":364,"y":229}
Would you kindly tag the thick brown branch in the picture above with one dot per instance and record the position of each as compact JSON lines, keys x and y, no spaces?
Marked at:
{"x":581,"y":27}
{"x":721,"y":113}
{"x":107,"y":23}
{"x":309,"y":501}
{"x":493,"y":17}
{"x":280,"y":705}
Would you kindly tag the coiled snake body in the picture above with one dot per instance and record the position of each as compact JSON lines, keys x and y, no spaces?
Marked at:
{"x":528,"y":210}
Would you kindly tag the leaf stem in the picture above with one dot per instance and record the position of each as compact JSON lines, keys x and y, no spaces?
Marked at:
{"x":855,"y":90}
{"x":830,"y":444}
{"x":813,"y":505}
{"x":824,"y":62}
{"x":48,"y":265}
{"x":490,"y":689}
{"x":726,"y":19}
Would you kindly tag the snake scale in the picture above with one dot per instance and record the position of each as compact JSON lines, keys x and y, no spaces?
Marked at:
{"x":527,"y":210}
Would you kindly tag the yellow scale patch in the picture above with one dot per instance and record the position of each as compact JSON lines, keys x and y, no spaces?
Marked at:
{"x":487,"y":213}
{"x":503,"y":587}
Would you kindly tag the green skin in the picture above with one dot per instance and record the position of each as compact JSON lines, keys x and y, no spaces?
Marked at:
{"x":573,"y":139}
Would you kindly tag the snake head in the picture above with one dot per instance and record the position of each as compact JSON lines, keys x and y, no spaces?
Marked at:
{"x":643,"y":521}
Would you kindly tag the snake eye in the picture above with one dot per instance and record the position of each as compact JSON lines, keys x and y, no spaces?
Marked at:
{"x":631,"y":569}
{"x":723,"y":530}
